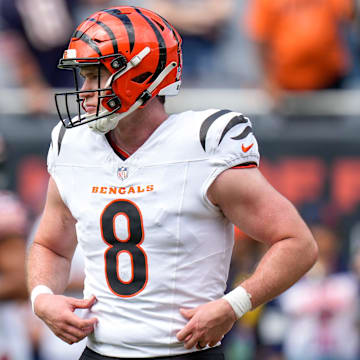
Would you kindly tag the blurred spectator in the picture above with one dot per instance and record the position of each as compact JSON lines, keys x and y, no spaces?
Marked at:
{"x":33,"y":35}
{"x":322,"y":308}
{"x":14,"y":339}
{"x":201,"y":25}
{"x":32,"y":179}
{"x":3,"y":157}
{"x":85,"y":8}
{"x":301,"y":44}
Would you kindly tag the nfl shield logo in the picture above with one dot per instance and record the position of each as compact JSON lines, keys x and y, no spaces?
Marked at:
{"x":122,"y":173}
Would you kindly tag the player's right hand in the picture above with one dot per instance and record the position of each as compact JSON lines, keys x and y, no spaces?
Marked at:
{"x":57,"y":312}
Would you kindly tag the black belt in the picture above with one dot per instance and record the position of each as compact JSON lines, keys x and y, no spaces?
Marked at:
{"x":213,"y":353}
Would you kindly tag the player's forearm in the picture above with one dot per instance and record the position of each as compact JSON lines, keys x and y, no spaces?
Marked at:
{"x":284,"y":263}
{"x":45,"y":267}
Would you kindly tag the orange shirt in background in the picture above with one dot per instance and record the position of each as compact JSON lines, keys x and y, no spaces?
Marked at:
{"x":303,"y":39}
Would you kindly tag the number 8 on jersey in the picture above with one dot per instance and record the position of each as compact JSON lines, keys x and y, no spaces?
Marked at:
{"x":131,"y":245}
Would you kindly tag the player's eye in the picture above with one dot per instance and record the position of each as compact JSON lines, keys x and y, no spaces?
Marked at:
{"x":80,"y":78}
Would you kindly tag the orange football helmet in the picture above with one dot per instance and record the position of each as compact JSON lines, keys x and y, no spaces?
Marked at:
{"x":139,"y":48}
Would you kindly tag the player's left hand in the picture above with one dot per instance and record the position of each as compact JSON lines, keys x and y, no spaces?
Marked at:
{"x":208,"y":323}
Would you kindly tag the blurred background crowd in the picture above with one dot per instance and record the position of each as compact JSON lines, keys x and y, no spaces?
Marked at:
{"x":293,"y":67}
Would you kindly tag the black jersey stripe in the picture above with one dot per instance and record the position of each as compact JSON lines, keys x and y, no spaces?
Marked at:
{"x":207,"y":123}
{"x":162,"y":47}
{"x":127,"y":23}
{"x":61,"y":137}
{"x":244,"y":134}
{"x":82,"y":36}
{"x":239,"y":119}
{"x":109,"y":32}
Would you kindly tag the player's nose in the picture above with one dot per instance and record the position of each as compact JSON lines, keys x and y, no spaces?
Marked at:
{"x":85,"y":90}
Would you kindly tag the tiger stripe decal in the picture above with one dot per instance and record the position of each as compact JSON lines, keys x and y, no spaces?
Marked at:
{"x":83,"y":37}
{"x":127,"y":23}
{"x":236,"y":120}
{"x":239,"y":119}
{"x":110,"y":33}
{"x":162,"y":47}
{"x":175,"y":35}
{"x":205,"y":126}
{"x":244,"y":134}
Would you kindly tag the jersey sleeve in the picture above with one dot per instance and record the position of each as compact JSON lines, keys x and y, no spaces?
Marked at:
{"x":228,"y":139}
{"x":57,"y":135}
{"x":53,"y":157}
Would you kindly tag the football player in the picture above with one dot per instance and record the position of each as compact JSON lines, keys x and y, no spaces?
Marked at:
{"x":151,"y":198}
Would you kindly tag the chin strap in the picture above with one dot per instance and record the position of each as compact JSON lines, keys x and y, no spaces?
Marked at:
{"x":107,"y":123}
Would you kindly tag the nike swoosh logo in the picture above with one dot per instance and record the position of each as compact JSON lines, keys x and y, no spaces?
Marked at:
{"x":246,"y":148}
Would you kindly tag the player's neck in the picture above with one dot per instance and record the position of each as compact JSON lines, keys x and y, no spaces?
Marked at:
{"x":135,"y":129}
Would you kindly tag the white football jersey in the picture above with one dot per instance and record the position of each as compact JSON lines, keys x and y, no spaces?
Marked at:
{"x":153,"y":242}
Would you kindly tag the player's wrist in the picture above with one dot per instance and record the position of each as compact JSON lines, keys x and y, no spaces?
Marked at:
{"x":36,"y":291}
{"x":240,"y":301}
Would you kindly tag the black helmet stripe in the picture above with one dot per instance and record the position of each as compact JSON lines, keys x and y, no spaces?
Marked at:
{"x":127,"y":23}
{"x":110,"y":33}
{"x":175,"y":35}
{"x":162,"y":47}
{"x":170,"y":28}
{"x":82,"y":36}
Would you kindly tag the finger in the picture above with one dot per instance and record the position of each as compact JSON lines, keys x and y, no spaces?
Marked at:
{"x":77,"y":333}
{"x":88,"y":329}
{"x":67,"y":338}
{"x":80,"y":323}
{"x":184,"y":333}
{"x":187,"y":313}
{"x":191,"y":343}
{"x":83,"y":303}
{"x":200,"y":345}
{"x":214,"y":342}
{"x":188,"y":337}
